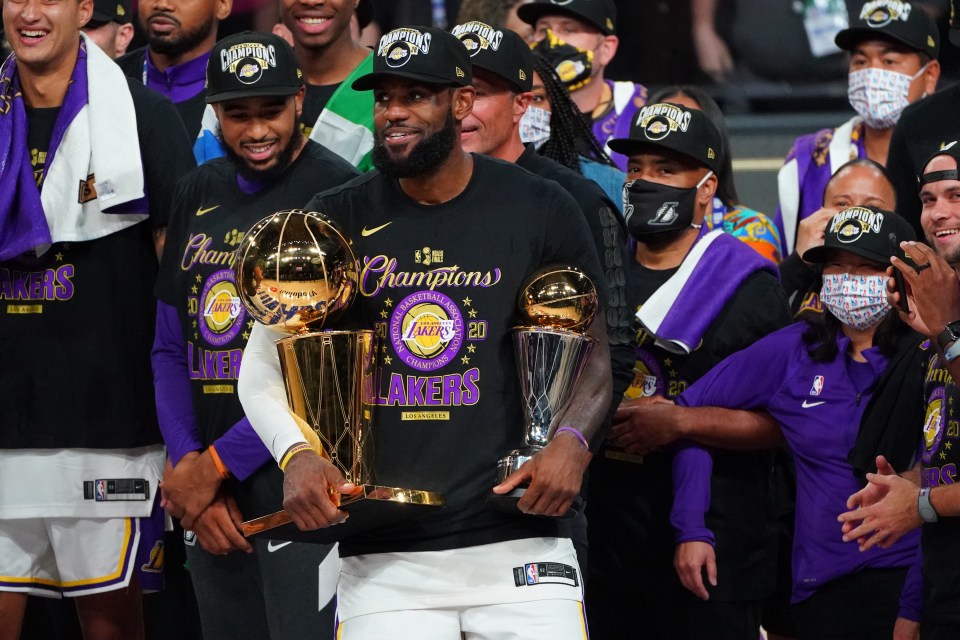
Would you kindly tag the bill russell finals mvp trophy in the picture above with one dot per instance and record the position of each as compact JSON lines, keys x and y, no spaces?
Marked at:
{"x":297,"y":273}
{"x":557,"y":304}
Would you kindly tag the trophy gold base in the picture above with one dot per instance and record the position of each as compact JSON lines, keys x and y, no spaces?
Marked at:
{"x":365,"y":507}
{"x":508,"y":501}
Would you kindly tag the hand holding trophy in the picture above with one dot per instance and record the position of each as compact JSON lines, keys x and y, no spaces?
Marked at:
{"x":297,"y":273}
{"x":558,"y":304}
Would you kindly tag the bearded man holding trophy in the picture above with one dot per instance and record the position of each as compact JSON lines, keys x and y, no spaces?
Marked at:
{"x":447,"y":244}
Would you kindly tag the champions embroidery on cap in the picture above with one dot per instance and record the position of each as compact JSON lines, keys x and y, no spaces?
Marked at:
{"x":398,"y":46}
{"x":248,"y":61}
{"x":659,"y":120}
{"x":850,"y":224}
{"x":476,"y":36}
{"x":880,"y":13}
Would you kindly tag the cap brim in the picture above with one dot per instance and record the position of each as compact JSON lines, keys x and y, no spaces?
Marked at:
{"x":367,"y":82}
{"x":98,"y":18}
{"x":627,"y":146}
{"x":532,"y":12}
{"x":239,"y":94}
{"x":847,"y":39}
{"x":820,"y":254}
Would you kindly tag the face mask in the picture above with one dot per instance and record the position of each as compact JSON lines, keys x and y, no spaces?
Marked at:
{"x":535,"y":126}
{"x":879,"y":95}
{"x":857,"y":301}
{"x":649,"y":207}
{"x":573,"y":64}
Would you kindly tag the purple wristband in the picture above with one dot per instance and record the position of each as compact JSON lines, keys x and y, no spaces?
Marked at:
{"x":579,"y":435}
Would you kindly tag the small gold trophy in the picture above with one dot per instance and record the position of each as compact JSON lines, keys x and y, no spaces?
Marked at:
{"x":297,"y":273}
{"x":558,"y":303}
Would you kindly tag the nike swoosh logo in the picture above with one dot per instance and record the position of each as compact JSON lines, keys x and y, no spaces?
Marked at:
{"x":807,"y":404}
{"x":271,"y":547}
{"x":200,"y":212}
{"x":369,"y":232}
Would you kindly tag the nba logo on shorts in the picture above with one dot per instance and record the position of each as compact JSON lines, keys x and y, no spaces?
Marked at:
{"x":817,"y":386}
{"x":532,"y":576}
{"x":101,"y":489}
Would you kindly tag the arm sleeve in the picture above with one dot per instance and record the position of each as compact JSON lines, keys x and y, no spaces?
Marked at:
{"x":911,"y":596}
{"x":692,"y":468}
{"x":241,"y":450}
{"x":172,"y":386}
{"x":263,"y":395}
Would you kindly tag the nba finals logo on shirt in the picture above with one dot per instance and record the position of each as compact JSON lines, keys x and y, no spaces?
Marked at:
{"x":426,"y":330}
{"x":880,"y":13}
{"x":477,"y":35}
{"x":248,"y":61}
{"x":221,"y":308}
{"x":659,"y":120}
{"x":850,"y":224}
{"x":398,"y":46}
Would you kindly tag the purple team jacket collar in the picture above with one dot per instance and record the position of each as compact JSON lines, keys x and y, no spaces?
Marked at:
{"x":179,"y":82}
{"x":23,"y":225}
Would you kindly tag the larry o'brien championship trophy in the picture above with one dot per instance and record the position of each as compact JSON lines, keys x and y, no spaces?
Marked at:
{"x":297,"y":273}
{"x":558,"y":303}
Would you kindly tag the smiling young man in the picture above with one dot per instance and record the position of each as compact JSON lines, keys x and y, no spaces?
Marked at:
{"x":893,"y":47}
{"x":217,"y":458}
{"x":454,"y":235}
{"x":180,"y":34}
{"x":88,"y":162}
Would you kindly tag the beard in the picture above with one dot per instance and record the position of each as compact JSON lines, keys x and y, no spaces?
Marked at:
{"x":175,"y":45}
{"x":270,"y":173}
{"x":424,"y":158}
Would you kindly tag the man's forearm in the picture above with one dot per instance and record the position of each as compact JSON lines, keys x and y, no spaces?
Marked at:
{"x":589,"y":407}
{"x":731,"y":429}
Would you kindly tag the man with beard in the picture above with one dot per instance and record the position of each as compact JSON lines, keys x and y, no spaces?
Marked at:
{"x":179,"y":38}
{"x":216,"y":456}
{"x":701,"y":297}
{"x":450,"y":236}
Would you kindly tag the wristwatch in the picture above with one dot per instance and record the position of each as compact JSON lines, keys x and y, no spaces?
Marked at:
{"x":927,"y":512}
{"x":950,"y":333}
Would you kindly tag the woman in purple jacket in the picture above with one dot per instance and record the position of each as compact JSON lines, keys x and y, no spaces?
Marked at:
{"x":815,"y":379}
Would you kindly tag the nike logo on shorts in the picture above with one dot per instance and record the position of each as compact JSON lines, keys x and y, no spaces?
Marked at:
{"x":807,"y":404}
{"x":200,"y":212}
{"x":369,"y":232}
{"x":272,"y":546}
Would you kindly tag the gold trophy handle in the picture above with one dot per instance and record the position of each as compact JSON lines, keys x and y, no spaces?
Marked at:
{"x":265,"y":523}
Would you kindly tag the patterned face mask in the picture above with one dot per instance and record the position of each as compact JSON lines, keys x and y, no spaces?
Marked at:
{"x":857,"y":301}
{"x":879,"y":96}
{"x":535,"y":126}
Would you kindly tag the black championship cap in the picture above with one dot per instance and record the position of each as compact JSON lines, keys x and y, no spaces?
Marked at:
{"x":105,"y":11}
{"x":866,"y":231}
{"x":687,"y":131}
{"x":419,"y":53}
{"x":602,"y":14}
{"x":248,"y":65}
{"x":499,"y":51}
{"x":892,"y":20}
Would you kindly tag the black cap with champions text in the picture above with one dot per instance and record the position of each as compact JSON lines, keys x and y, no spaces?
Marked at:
{"x":686,"y":131}
{"x":419,"y":53}
{"x":248,"y":65}
{"x":866,"y":231}
{"x":499,"y":51}
{"x":892,"y":20}
{"x":105,"y":11}
{"x":602,"y":14}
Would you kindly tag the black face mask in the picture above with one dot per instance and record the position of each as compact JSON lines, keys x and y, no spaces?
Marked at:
{"x":573,"y":65}
{"x":651,"y":208}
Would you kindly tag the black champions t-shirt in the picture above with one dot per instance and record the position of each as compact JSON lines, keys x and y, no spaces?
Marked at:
{"x":939,"y":459}
{"x":448,"y":403}
{"x":632,"y":495}
{"x":77,"y":322}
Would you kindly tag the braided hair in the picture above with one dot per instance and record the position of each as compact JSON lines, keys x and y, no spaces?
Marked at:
{"x":570,"y":135}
